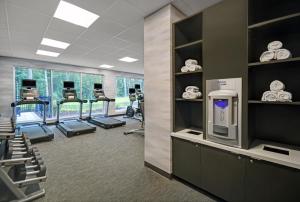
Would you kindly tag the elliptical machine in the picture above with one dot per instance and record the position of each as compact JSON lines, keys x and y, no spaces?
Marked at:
{"x":135,"y":94}
{"x":141,"y":129}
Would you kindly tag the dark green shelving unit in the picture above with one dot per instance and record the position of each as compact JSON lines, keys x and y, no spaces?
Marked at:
{"x":269,"y":21}
{"x":187,"y":44}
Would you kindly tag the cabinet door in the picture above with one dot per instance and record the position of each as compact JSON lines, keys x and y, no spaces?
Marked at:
{"x":270,"y":182}
{"x":222,"y":173}
{"x":186,"y":161}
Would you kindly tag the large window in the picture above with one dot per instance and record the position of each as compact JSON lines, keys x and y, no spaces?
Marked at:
{"x":27,"y":113}
{"x":88,"y":81}
{"x":58,"y":78}
{"x":122,"y":86}
{"x":50,"y":87}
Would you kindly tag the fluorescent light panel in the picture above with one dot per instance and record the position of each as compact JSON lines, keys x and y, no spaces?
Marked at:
{"x":54,"y":43}
{"x":47,"y":53}
{"x":106,"y":66}
{"x":128,"y":59}
{"x":74,"y":14}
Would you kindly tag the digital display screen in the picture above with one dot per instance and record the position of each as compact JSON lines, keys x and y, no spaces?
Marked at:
{"x":68,"y":84}
{"x":137,"y":86}
{"x":223,"y":103}
{"x":131,"y":90}
{"x":98,"y":86}
{"x":29,"y":83}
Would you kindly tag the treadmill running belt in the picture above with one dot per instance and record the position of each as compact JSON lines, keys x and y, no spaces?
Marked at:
{"x":76,"y":125}
{"x":107,"y":120}
{"x":36,"y":133}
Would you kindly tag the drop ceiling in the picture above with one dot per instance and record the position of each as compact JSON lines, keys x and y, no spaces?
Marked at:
{"x":116,"y":34}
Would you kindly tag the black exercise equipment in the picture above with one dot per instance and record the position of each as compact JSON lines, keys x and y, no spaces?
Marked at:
{"x":103,"y":121}
{"x":74,"y":126}
{"x":37,"y":132}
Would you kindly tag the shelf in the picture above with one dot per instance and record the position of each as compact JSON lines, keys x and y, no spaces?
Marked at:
{"x":189,"y":100}
{"x":274,"y":62}
{"x":188,"y":73}
{"x":188,"y":44}
{"x":272,"y":21}
{"x":273,"y":103}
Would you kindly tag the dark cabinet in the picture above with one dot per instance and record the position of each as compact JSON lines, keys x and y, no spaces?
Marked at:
{"x":270,"y":182}
{"x":222,"y":173}
{"x":187,"y":161}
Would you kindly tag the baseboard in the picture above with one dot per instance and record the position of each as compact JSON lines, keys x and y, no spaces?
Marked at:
{"x":158,"y":170}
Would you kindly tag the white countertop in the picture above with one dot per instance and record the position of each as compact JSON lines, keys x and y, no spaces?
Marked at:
{"x":256,"y":150}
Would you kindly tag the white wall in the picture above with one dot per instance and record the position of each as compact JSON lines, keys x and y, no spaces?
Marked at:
{"x":158,"y":89}
{"x":7,"y":65}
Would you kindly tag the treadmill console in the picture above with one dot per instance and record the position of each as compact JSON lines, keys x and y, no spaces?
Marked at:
{"x":69,"y":93}
{"x":98,"y":91}
{"x":132,"y":96}
{"x":28,"y":90}
{"x":138,"y":92}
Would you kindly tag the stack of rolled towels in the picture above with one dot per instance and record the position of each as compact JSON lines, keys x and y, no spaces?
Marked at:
{"x":277,"y":93}
{"x":191,"y":92}
{"x":191,"y":66}
{"x":275,"y":52}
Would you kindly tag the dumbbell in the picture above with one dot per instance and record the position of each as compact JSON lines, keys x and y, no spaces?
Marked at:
{"x":21,"y":172}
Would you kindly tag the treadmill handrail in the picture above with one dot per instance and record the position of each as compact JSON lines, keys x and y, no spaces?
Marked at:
{"x":27,"y":102}
{"x":73,"y":100}
{"x":103,"y":99}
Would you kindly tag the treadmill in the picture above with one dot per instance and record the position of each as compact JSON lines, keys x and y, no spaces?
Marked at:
{"x":103,"y":121}
{"x":36,"y":131}
{"x":72,"y":127}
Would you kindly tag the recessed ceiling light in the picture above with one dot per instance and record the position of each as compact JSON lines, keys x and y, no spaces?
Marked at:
{"x":128,"y":59}
{"x":54,"y":43}
{"x":47,"y":53}
{"x":74,"y":14}
{"x":106,"y":66}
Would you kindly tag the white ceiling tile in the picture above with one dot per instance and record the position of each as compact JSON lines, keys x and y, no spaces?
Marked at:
{"x":123,"y":13}
{"x":47,"y":7}
{"x":3,"y":33}
{"x":74,"y":51}
{"x":60,"y":36}
{"x":138,"y":48}
{"x":24,"y":20}
{"x":64,"y":29}
{"x":134,"y":34}
{"x":102,"y":51}
{"x":95,"y":6}
{"x":3,"y":19}
{"x":4,"y":43}
{"x":148,"y":6}
{"x":97,"y":37}
{"x":83,"y":43}
{"x":117,"y":43}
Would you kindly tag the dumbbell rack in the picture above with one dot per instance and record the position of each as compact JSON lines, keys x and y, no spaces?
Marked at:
{"x":20,"y":167}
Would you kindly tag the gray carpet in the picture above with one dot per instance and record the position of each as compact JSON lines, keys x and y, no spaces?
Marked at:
{"x":106,"y":166}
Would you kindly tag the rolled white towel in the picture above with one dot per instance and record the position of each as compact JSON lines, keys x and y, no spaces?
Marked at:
{"x":191,"y":95}
{"x":282,"y":54}
{"x":284,"y":96}
{"x":184,"y":69}
{"x":270,"y":96}
{"x":191,"y":62}
{"x":277,"y":85}
{"x":193,"y":89}
{"x":267,"y":56}
{"x":274,"y":45}
{"x":193,"y":68}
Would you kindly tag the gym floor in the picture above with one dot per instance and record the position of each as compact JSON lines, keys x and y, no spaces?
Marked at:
{"x":106,"y":166}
